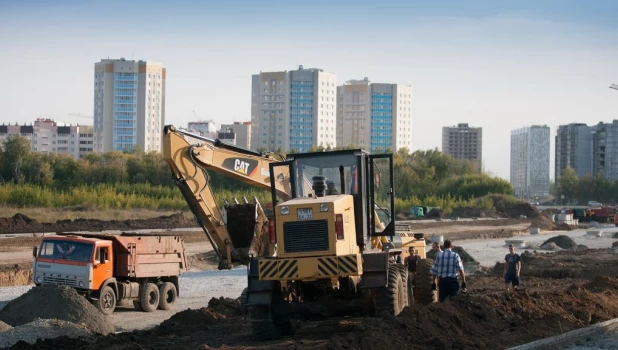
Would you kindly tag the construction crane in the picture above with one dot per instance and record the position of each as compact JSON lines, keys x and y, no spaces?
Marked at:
{"x":79,"y":115}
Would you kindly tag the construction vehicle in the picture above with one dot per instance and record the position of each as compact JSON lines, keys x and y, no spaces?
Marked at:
{"x":329,"y":249}
{"x":107,"y":269}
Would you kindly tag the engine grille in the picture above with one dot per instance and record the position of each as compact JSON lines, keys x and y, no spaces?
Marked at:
{"x":59,"y":280}
{"x":305,"y":236}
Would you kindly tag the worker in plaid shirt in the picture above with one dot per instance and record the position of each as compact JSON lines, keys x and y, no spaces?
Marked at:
{"x":446,"y":267}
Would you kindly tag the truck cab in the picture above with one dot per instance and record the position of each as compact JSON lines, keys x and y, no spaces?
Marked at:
{"x":79,"y":262}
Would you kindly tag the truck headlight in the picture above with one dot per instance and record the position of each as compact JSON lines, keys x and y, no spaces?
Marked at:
{"x":81,"y":284}
{"x":38,"y":279}
{"x":285,"y":210}
{"x":323,"y":207}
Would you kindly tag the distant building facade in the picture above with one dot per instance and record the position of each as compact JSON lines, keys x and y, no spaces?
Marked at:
{"x":129,"y":105}
{"x":530,"y":148}
{"x":45,"y":136}
{"x":464,"y":142}
{"x":293,"y":110}
{"x":374,"y":116}
{"x":574,"y":149}
{"x":203,"y":127}
{"x":242,"y":132}
{"x":605,"y":150}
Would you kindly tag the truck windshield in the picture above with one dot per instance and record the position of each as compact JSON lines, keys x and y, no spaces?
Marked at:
{"x":76,"y":251}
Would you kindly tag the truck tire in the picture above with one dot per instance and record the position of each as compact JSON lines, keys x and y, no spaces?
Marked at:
{"x":149,"y":297}
{"x":107,"y":300}
{"x":403,"y":273}
{"x":424,"y":279}
{"x":167,"y":296}
{"x":389,"y":300}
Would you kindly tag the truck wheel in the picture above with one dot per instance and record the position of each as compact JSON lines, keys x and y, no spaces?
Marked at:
{"x":149,"y":297}
{"x":389,"y":300}
{"x":167,"y":296}
{"x":424,"y":278}
{"x":107,"y":301}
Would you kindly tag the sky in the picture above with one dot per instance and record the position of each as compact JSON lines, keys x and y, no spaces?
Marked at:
{"x":493,"y":64}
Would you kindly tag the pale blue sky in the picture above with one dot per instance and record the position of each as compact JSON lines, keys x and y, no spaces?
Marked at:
{"x":486,"y":63}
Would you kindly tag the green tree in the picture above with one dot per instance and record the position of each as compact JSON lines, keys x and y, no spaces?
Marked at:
{"x":14,"y":158}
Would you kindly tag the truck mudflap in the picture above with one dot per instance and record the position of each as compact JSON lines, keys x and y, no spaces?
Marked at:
{"x":258,"y":292}
{"x":375,"y":270}
{"x":311,"y":268}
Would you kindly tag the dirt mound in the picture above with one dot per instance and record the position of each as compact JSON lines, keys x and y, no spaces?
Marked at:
{"x":478,"y":321}
{"x":22,"y":224}
{"x":435,"y":213}
{"x":16,"y":222}
{"x":190,"y":321}
{"x":4,"y":327}
{"x":29,"y":333}
{"x":602,"y":282}
{"x":564,"y":227}
{"x":468,"y":212}
{"x":562,"y":241}
{"x":543,"y":223}
{"x":225,"y":306}
{"x":55,"y":302}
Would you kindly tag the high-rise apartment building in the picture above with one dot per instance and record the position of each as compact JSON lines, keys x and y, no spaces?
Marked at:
{"x":605,"y":150}
{"x":293,"y":110}
{"x":242,"y":131}
{"x":374,"y":116}
{"x":530,"y":161}
{"x":573,"y":149}
{"x":463,"y":142}
{"x":46,"y":136}
{"x":129,"y":105}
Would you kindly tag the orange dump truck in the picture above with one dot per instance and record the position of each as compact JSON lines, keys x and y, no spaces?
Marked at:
{"x":109,"y":268}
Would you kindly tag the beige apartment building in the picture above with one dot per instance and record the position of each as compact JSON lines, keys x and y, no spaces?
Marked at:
{"x":129,"y":105}
{"x":374,"y":116}
{"x":464,"y":142}
{"x":293,"y":110}
{"x":242,"y":133}
{"x":46,"y":136}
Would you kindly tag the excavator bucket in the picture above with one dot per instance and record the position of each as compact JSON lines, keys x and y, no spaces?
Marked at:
{"x":247,"y":225}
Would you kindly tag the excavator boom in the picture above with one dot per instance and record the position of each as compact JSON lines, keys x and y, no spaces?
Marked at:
{"x":243,"y":231}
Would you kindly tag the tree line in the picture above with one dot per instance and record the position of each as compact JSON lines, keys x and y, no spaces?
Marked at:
{"x":418,"y":175}
{"x":569,"y":189}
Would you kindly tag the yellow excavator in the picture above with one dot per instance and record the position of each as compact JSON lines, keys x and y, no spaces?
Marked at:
{"x":331,"y":246}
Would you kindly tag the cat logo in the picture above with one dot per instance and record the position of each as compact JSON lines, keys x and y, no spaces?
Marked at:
{"x":242,"y":166}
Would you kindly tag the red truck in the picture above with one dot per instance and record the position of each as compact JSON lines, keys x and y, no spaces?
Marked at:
{"x":107,"y":269}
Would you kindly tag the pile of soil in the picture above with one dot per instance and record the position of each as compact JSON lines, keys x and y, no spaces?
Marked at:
{"x":226,"y":307}
{"x":51,"y":301}
{"x":507,"y":207}
{"x":188,"y":322}
{"x":543,"y":223}
{"x":16,"y":275}
{"x":481,"y":321}
{"x":467,"y":212}
{"x":20,"y":223}
{"x":562,"y":241}
{"x":29,"y":333}
{"x":435,"y":213}
{"x":564,"y":227}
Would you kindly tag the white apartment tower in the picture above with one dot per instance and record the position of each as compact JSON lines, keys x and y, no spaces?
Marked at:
{"x":242,"y":131}
{"x":530,"y":162}
{"x":293,"y":110}
{"x":129,"y":105}
{"x":374,"y":116}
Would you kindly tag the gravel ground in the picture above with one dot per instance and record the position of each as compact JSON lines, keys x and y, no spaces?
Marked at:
{"x":196,"y":289}
{"x":41,"y":329}
{"x":603,"y":341}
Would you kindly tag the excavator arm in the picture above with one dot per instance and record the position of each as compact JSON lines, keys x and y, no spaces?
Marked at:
{"x":246,"y":231}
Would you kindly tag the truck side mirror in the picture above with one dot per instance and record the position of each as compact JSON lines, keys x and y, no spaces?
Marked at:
{"x":34,"y":251}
